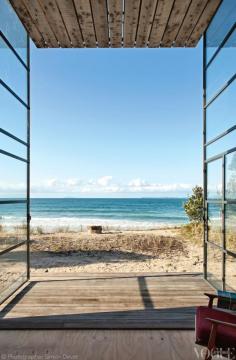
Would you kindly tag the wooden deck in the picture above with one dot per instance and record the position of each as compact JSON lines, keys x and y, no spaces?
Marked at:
{"x":99,"y":345}
{"x":115,"y":23}
{"x":106,"y":301}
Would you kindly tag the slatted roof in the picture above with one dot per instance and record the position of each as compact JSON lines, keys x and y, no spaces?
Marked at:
{"x":115,"y":23}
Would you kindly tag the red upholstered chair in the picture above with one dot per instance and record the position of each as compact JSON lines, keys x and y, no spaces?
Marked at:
{"x":216,"y":326}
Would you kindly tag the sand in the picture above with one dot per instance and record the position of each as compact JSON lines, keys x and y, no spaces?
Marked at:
{"x":165,"y":250}
{"x":162,"y":250}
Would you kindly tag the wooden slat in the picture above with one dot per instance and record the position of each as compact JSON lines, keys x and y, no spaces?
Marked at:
{"x":54,"y":18}
{"x":174,"y":23}
{"x":203,"y":22}
{"x":100,"y":17}
{"x":92,"y":23}
{"x":115,"y":10}
{"x":131,"y":21}
{"x":147,"y":13}
{"x":101,"y":344}
{"x":36,"y":13}
{"x":163,"y":11}
{"x":85,"y":17}
{"x":194,"y":12}
{"x":70,"y":20}
{"x":106,"y":301}
{"x":28,"y":22}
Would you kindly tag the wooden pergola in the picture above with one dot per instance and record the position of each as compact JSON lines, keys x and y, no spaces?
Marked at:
{"x":115,"y":23}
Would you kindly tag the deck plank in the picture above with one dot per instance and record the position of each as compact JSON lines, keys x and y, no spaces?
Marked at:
{"x":53,"y":15}
{"x":85,"y":16}
{"x":131,"y":22}
{"x":103,"y":301}
{"x":100,"y":16}
{"x":40,"y":20}
{"x":190,"y":21}
{"x":203,"y":22}
{"x":176,"y":18}
{"x":106,"y":344}
{"x":115,"y":9}
{"x":70,"y":20}
{"x":29,"y":23}
{"x":147,"y":13}
{"x":160,"y":21}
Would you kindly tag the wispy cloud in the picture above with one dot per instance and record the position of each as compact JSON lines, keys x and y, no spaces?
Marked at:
{"x":104,"y":180}
{"x":103,"y":185}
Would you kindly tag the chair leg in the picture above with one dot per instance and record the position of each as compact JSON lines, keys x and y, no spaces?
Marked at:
{"x":211,"y":342}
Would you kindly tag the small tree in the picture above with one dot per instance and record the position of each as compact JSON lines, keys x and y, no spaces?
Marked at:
{"x":194,"y":205}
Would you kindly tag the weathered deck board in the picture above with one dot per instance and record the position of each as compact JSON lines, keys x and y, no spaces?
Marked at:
{"x":40,"y":20}
{"x":84,"y":14}
{"x":115,"y":9}
{"x":100,"y":344}
{"x":99,"y":9}
{"x":29,"y":23}
{"x":55,"y":19}
{"x":179,"y":10}
{"x":147,"y":13}
{"x":194,"y":12}
{"x":115,"y":23}
{"x":106,"y":301}
{"x":203,"y":21}
{"x":131,"y":21}
{"x":70,"y":19}
{"x":160,"y":21}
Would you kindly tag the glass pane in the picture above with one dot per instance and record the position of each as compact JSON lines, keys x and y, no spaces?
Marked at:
{"x":13,"y":225}
{"x":215,"y":224}
{"x":13,"y":116}
{"x":214,"y":265}
{"x":12,"y":146}
{"x":13,"y":29}
{"x":230,"y":273}
{"x":230,"y":227}
{"x":222,"y":68}
{"x":13,"y":269}
{"x":221,"y":24}
{"x":230,"y":176}
{"x":12,"y":178}
{"x":12,"y":72}
{"x":221,"y":114}
{"x":222,"y":145}
{"x":214,"y":179}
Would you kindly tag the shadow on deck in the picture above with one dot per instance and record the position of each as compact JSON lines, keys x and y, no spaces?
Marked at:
{"x":106,"y":301}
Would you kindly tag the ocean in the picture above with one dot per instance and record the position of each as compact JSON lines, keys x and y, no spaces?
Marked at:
{"x":113,"y":214}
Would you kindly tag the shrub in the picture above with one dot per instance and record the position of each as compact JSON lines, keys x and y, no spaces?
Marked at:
{"x":193,"y":232}
{"x":194,"y":206}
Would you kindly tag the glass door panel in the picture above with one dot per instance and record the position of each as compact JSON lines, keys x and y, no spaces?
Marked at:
{"x":215,"y":224}
{"x":14,"y":153}
{"x":13,"y":270}
{"x":214,"y":266}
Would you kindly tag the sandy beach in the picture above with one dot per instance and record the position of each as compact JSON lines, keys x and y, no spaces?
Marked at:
{"x":162,"y":250}
{"x":165,"y":250}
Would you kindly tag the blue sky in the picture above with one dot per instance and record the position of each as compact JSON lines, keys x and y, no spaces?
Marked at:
{"x":116,"y":122}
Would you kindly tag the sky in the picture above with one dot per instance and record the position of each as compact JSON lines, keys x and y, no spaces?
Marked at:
{"x":116,"y":122}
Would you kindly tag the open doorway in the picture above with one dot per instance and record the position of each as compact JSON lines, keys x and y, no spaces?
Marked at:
{"x":125,"y":214}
